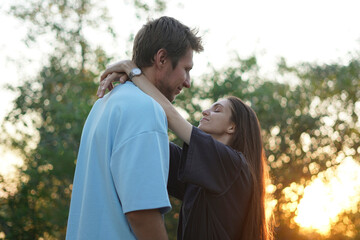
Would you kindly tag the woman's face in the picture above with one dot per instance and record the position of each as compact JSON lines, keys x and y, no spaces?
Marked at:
{"x":216,"y":120}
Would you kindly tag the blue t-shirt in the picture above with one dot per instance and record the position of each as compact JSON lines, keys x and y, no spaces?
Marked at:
{"x":122,"y":165}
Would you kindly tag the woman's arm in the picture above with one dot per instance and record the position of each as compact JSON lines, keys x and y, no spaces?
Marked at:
{"x":119,"y":72}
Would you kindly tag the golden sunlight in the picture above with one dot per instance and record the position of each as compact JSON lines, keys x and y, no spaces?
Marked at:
{"x":333,"y":192}
{"x":8,"y":164}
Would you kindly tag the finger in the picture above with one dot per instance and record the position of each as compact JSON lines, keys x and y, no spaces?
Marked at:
{"x":100,"y":92}
{"x":107,"y":82}
{"x":111,"y":87}
{"x":104,"y":75}
{"x":123,"y":78}
{"x":118,"y":77}
{"x":103,"y":85}
{"x":110,"y":69}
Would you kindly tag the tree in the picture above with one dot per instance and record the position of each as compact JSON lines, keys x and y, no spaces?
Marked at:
{"x":48,"y":116}
{"x":50,"y":112}
{"x":300,"y":142}
{"x":308,"y":126}
{"x":333,"y":91}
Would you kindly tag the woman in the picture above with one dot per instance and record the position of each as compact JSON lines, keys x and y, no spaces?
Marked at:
{"x":220,"y":173}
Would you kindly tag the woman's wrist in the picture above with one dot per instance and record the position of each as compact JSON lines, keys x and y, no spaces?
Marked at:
{"x":128,"y":66}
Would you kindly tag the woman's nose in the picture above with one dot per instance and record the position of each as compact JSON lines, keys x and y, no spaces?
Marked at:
{"x":205,"y":112}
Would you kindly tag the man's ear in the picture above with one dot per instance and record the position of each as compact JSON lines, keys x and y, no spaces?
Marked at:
{"x":161,"y":57}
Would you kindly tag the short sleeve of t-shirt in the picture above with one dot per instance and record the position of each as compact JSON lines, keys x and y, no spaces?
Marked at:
{"x":139,"y":159}
{"x":209,"y":163}
{"x":141,"y":179}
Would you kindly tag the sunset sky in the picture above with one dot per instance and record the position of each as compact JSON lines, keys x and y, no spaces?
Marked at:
{"x":321,"y":31}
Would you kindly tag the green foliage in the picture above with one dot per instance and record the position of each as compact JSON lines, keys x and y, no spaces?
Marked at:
{"x":146,"y":9}
{"x":298,"y":138}
{"x":48,"y":116}
{"x":308,"y":126}
{"x":45,"y":124}
{"x":58,"y":108}
{"x":65,"y":20}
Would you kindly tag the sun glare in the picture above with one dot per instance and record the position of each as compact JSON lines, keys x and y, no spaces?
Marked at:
{"x":335,"y":191}
{"x":8,"y":163}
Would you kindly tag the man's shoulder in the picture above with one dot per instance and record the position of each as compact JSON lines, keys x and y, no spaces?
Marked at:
{"x":130,"y":92}
{"x":129,"y":98}
{"x":127,"y":91}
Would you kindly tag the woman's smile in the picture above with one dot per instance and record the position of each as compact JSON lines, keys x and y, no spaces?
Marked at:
{"x":204,"y":120}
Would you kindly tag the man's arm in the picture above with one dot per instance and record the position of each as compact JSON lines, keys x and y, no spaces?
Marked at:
{"x":147,"y":224}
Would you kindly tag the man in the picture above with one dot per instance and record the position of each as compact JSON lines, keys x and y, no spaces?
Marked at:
{"x":119,"y":189}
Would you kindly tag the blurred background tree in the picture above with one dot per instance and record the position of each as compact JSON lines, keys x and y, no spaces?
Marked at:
{"x":310,"y":121}
{"x":48,"y":116}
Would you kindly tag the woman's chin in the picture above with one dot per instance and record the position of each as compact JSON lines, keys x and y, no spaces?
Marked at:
{"x":201,"y":127}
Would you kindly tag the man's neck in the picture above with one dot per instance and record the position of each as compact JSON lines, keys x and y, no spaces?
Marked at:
{"x":149,"y":74}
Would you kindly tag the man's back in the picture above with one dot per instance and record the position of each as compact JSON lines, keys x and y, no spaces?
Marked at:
{"x":122,"y":165}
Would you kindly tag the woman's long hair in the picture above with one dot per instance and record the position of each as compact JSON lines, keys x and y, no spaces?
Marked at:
{"x":247,"y":139}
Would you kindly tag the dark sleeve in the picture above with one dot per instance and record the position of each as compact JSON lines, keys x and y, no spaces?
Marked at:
{"x":175,"y":187}
{"x":209,"y":163}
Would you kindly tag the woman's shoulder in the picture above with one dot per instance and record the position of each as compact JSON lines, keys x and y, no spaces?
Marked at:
{"x":204,"y":139}
{"x":242,"y":163}
{"x":205,"y":145}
